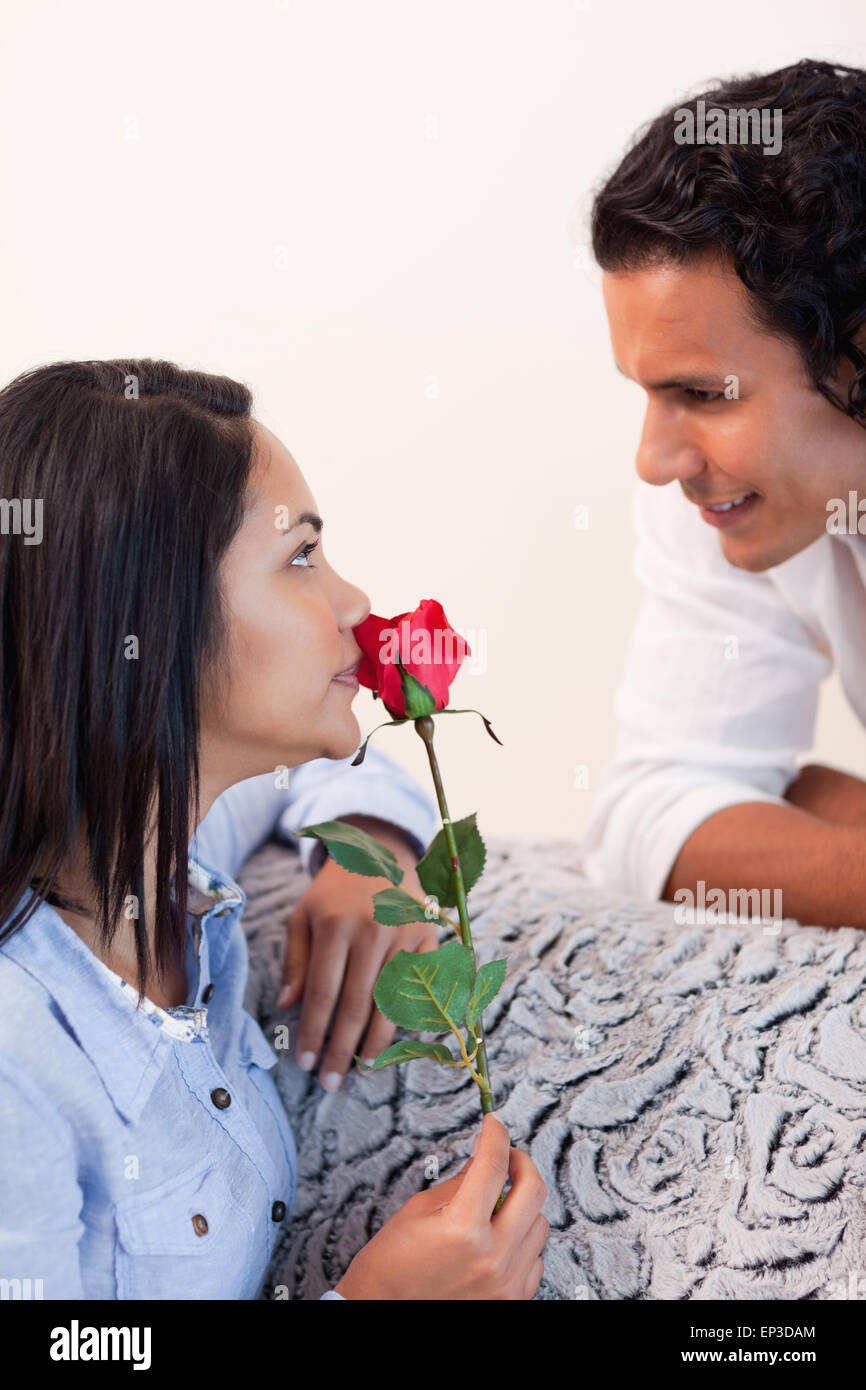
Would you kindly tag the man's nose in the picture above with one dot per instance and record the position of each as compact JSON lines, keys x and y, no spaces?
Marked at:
{"x":663,"y":456}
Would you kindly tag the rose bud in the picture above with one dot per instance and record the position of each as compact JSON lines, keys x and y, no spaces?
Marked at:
{"x":423,"y":642}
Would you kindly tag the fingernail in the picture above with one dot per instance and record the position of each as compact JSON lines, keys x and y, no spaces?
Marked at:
{"x":478,"y":1135}
{"x":369,"y":1061}
{"x":499,"y":1120}
{"x":283,"y":997}
{"x":331,"y":1080}
{"x":306,"y":1060}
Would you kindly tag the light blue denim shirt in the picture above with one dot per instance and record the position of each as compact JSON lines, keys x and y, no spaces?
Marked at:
{"x":146,"y":1153}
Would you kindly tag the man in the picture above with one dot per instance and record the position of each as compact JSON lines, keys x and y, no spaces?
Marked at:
{"x":735,"y":287}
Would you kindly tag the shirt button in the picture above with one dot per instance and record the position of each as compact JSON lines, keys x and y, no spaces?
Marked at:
{"x":278,"y":1211}
{"x":221,"y":1097}
{"x":199,"y":1224}
{"x":205,"y":999}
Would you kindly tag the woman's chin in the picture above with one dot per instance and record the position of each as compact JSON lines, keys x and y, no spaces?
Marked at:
{"x":345,"y":740}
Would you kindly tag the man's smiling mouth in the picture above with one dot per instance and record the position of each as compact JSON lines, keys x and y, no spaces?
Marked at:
{"x":726,"y":506}
{"x":726,"y":511}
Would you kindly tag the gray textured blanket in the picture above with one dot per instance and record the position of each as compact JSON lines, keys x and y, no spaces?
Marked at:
{"x":694,"y":1096}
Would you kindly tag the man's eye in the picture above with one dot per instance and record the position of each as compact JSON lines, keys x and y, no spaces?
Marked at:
{"x":305,"y":555}
{"x":700,"y":395}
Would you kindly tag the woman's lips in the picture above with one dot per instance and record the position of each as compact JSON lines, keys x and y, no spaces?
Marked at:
{"x":349,"y":676}
{"x":732,"y":512}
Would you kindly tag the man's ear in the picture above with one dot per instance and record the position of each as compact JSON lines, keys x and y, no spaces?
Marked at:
{"x":857,"y":358}
{"x":859,"y":345}
{"x":851,"y":362}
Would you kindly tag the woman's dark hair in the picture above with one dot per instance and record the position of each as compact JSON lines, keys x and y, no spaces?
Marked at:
{"x":113,"y":626}
{"x":793,"y":223}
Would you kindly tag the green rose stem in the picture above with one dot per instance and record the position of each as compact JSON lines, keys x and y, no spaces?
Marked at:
{"x":424,"y":727}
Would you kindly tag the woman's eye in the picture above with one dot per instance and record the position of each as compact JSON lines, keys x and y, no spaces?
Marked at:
{"x":700,"y":395}
{"x":305,"y":556}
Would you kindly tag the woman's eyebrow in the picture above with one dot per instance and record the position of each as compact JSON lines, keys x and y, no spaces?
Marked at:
{"x":306,"y":517}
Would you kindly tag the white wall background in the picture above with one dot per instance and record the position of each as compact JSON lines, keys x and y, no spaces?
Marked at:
{"x":368,"y":210}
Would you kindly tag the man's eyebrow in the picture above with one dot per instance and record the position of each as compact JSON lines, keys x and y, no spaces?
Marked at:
{"x":693,"y":379}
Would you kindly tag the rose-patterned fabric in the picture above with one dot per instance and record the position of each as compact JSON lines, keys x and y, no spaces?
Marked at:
{"x":694,"y":1095}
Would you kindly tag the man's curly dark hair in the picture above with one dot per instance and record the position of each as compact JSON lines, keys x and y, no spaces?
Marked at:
{"x":792,"y":223}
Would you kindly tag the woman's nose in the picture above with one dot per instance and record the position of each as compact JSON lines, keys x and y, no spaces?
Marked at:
{"x":353,"y":605}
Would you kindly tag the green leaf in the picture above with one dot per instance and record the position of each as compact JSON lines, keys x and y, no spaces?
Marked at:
{"x":417,"y":699}
{"x":417,"y":989}
{"x":488,"y":983}
{"x":354,"y":849}
{"x":435,"y":869}
{"x":406,"y":1052}
{"x":394,"y":908}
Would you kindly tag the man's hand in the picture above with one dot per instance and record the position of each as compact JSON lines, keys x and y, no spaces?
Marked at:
{"x":336,"y":951}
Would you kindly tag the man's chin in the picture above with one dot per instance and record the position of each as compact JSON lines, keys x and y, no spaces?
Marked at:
{"x":754,"y":556}
{"x":748,"y":557}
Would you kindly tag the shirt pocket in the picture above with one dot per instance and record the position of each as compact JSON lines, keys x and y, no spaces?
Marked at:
{"x":187,"y":1238}
{"x":254,"y":1046}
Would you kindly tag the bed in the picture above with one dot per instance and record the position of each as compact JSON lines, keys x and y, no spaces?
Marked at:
{"x":694,"y":1095}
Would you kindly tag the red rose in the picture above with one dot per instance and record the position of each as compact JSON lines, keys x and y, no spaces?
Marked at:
{"x":426,"y":645}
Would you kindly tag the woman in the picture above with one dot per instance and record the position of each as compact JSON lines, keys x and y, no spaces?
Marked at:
{"x":174,"y":630}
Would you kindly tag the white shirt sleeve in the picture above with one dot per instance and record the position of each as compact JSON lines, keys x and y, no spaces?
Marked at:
{"x":717,"y":700}
{"x":248,"y":813}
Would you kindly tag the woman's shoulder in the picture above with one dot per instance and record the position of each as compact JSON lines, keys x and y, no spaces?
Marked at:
{"x":31,"y":1027}
{"x":37,"y":1038}
{"x":25,"y":1000}
{"x":33,"y":1046}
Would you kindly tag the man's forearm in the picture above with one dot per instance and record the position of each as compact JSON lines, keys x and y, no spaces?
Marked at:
{"x":820,"y":867}
{"x":829,"y":794}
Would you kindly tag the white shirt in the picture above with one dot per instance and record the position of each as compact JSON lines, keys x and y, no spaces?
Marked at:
{"x":720,"y":689}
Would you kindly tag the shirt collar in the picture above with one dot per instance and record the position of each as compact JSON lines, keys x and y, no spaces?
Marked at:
{"x":93,"y":1005}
